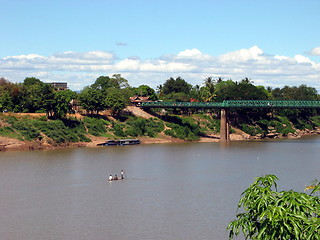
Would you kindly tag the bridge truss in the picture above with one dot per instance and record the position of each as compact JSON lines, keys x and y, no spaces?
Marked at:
{"x":235,"y":104}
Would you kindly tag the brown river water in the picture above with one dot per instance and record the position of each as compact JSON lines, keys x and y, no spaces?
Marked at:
{"x":171,"y":191}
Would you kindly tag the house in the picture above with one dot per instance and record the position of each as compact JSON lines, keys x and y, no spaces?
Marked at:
{"x":59,"y":86}
{"x":136,"y":100}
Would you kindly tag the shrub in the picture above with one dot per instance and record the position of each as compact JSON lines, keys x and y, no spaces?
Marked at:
{"x":143,"y":127}
{"x":187,"y":131}
{"x":251,"y":130}
{"x":26,"y":129}
{"x":95,"y":126}
{"x":315,"y":120}
{"x":8,"y":131}
{"x":118,"y":129}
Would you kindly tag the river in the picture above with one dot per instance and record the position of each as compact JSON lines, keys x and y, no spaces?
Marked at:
{"x":171,"y":191}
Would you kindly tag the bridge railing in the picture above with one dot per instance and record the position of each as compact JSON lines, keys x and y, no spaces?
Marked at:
{"x":181,"y":104}
{"x":235,"y":104}
{"x":270,"y":104}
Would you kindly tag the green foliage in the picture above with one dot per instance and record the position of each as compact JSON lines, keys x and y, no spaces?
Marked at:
{"x":177,"y":85}
{"x":302,"y":92}
{"x":95,"y":126}
{"x":210,"y":123}
{"x":269,"y":214}
{"x":251,"y":130}
{"x":115,"y":100}
{"x":315,"y":120}
{"x":244,"y":90}
{"x":105,"y":82}
{"x":118,"y":129}
{"x":145,"y":91}
{"x":176,"y":97}
{"x":26,"y":129}
{"x":302,"y":124}
{"x":136,"y":126}
{"x":183,"y":128}
{"x":92,"y":99}
{"x":62,"y":101}
{"x":60,"y":131}
{"x":284,"y":126}
{"x":8,"y":131}
{"x":63,"y":131}
{"x":153,"y":127}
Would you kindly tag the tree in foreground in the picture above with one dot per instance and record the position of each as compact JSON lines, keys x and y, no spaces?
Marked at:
{"x":269,"y":214}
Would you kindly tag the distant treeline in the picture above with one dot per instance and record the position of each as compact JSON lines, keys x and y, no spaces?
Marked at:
{"x":33,"y":95}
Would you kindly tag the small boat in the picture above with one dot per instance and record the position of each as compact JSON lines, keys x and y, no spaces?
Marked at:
{"x":120,"y":142}
{"x":116,"y":179}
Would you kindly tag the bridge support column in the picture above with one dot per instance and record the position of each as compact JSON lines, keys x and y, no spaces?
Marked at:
{"x":224,"y":127}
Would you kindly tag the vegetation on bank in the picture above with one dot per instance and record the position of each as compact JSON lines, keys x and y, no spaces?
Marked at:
{"x":190,"y":128}
{"x":113,"y":93}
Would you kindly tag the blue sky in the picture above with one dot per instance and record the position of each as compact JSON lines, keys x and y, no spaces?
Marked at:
{"x":275,"y":43}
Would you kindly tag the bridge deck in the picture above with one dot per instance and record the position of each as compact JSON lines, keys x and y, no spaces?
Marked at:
{"x":235,"y":104}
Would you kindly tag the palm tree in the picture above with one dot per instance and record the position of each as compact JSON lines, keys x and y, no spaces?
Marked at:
{"x":208,"y":94}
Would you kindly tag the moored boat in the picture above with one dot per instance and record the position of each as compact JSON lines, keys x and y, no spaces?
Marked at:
{"x":120,"y":142}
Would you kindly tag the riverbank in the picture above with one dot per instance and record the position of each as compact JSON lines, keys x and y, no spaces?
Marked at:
{"x":12,"y":144}
{"x":23,"y":132}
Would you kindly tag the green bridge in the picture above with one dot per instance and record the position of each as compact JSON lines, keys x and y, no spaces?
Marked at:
{"x":235,"y":104}
{"x":231,"y":104}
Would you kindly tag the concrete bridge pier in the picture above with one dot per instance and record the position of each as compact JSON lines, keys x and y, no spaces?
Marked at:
{"x":224,"y":126}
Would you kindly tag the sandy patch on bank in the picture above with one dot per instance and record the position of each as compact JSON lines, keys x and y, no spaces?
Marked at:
{"x":7,"y":143}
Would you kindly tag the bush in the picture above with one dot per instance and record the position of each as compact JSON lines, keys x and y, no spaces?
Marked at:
{"x":96,"y":126}
{"x":315,"y":121}
{"x":144,"y":127}
{"x":63,"y":131}
{"x":26,"y":129}
{"x":251,"y":130}
{"x":118,"y":129}
{"x":187,"y":130}
{"x":8,"y":131}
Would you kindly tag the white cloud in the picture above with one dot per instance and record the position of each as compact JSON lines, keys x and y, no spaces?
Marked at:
{"x":192,"y":54}
{"x":81,"y":69}
{"x":302,"y":59}
{"x":314,"y":52}
{"x":92,"y":55}
{"x":243,"y":55}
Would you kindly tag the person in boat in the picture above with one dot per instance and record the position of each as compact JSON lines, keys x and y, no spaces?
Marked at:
{"x":110,"y":178}
{"x":122,"y":174}
{"x":115,"y":177}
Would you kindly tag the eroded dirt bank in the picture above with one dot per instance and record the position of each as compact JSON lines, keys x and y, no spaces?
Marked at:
{"x":11,"y":144}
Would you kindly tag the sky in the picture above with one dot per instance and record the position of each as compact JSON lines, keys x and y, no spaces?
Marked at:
{"x":274,"y":43}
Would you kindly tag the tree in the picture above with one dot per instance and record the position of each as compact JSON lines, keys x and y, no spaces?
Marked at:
{"x":177,"y":85}
{"x":244,"y":90}
{"x":145,"y":90}
{"x":62,"y":104}
{"x":5,"y":101}
{"x":9,"y":94}
{"x":105,"y":82}
{"x":302,"y":92}
{"x":31,"y":81}
{"x":123,"y":83}
{"x":269,"y":214}
{"x":177,"y":97}
{"x":207,"y":92}
{"x":115,"y":101}
{"x":37,"y":96}
{"x":48,"y":101}
{"x":92,"y":99}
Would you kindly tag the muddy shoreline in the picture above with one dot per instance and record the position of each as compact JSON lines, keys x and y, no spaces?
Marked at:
{"x":11,"y":144}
